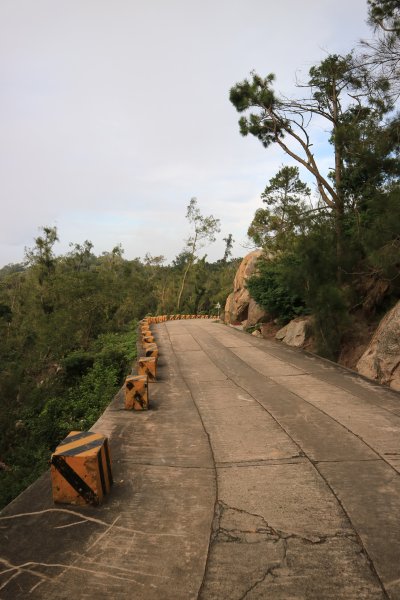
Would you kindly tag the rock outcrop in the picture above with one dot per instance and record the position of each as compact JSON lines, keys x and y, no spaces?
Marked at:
{"x":240,"y":306}
{"x":381,"y":360}
{"x":296,"y":333}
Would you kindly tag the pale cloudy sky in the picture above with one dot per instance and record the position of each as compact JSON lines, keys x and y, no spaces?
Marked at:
{"x":113,"y":114}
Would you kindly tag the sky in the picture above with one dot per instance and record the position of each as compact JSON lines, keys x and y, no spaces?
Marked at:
{"x":114,"y":114}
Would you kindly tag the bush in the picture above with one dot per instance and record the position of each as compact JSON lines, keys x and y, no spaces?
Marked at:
{"x":330,"y":319}
{"x":50,"y":411}
{"x":77,"y":363}
{"x":271,"y":288}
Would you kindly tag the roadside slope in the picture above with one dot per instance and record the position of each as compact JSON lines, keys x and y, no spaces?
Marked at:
{"x":150,"y":539}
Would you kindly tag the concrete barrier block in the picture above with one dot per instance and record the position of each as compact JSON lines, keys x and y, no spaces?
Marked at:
{"x":147,"y":365}
{"x":81,"y":469}
{"x":148,"y":338}
{"x":151,"y":350}
{"x":136,"y":392}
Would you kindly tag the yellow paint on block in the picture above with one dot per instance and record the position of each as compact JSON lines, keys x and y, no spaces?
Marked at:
{"x":81,"y":469}
{"x":147,"y":365}
{"x":136,"y":392}
{"x":151,"y":350}
{"x":148,"y":339}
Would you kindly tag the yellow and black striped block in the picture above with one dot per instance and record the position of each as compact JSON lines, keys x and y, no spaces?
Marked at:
{"x":151,"y":350}
{"x":148,"y":338}
{"x":147,"y":365}
{"x":136,"y":392}
{"x":81,"y":469}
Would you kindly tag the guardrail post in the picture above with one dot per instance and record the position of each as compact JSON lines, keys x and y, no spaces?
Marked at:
{"x":147,"y":365}
{"x":150,"y":350}
{"x":136,"y":392}
{"x":81,"y":469}
{"x":148,"y":338}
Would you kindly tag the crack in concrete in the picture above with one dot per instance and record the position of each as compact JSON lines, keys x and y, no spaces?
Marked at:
{"x":393,"y":583}
{"x":346,"y":460}
{"x":263,"y":462}
{"x":266,"y":531}
{"x":17,"y":570}
{"x":33,"y":588}
{"x":164,"y":465}
{"x":24,"y":568}
{"x":235,"y":525}
{"x":101,"y":536}
{"x":86,"y":518}
{"x":70,"y":524}
{"x":269,"y":573}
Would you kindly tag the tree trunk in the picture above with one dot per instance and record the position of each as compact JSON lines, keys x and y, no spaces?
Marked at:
{"x":183,"y":282}
{"x":339,"y":209}
{"x":339,"y":243}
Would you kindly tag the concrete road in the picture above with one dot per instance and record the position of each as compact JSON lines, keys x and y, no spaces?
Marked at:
{"x":260,"y":472}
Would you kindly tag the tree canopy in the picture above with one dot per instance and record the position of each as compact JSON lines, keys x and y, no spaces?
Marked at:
{"x":340,"y":254}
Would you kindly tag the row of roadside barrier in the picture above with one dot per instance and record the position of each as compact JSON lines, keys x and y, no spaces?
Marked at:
{"x":81,"y":464}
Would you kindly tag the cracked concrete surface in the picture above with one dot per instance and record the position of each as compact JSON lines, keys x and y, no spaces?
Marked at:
{"x":259,"y":472}
{"x":294,"y":520}
{"x":251,"y":559}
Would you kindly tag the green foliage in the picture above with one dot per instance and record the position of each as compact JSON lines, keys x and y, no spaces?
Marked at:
{"x":229,"y":241}
{"x":385,"y":14}
{"x":274,"y":227}
{"x":73,"y":400}
{"x":315,"y":274}
{"x":79,"y":407}
{"x":115,"y":350}
{"x":271,"y":288}
{"x":265,"y":124}
{"x":303,"y":281}
{"x":204,"y":229}
{"x":67,"y":339}
{"x":330,"y":318}
{"x":76,"y":363}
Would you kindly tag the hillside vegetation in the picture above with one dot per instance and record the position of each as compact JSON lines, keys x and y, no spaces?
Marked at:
{"x":337,"y":254}
{"x":68,"y":338}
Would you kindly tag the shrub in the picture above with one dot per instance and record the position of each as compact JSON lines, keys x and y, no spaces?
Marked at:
{"x":271,"y":288}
